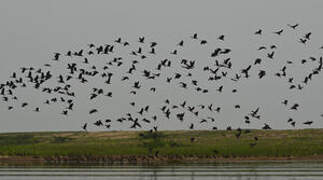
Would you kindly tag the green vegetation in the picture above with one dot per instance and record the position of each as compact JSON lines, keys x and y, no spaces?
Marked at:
{"x":225,"y":144}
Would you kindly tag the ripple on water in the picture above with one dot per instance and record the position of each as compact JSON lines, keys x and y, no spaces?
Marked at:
{"x":245,"y":171}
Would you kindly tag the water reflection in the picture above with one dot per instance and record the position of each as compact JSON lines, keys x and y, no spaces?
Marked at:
{"x":245,"y":171}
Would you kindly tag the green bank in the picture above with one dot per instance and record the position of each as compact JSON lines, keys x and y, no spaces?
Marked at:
{"x":177,"y":146}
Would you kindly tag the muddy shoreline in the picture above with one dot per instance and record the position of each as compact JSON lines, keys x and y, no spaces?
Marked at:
{"x":144,"y":160}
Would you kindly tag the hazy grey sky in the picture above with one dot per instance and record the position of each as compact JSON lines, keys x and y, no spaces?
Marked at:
{"x":32,"y":30}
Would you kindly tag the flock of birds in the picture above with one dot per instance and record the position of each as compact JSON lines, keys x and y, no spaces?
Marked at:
{"x":81,"y":66}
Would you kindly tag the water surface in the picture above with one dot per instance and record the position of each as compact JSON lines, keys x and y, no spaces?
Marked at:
{"x":243,"y":171}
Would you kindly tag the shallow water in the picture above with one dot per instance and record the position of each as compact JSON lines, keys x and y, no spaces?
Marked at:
{"x":244,"y":171}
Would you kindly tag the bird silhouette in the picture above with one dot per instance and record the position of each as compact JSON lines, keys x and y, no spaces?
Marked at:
{"x":93,"y":111}
{"x":257,"y":61}
{"x":221,"y":37}
{"x":293,"y":26}
{"x":279,"y":32}
{"x":261,"y":74}
{"x":258,"y":32}
{"x":295,"y":106}
{"x":84,"y":127}
{"x":307,"y":35}
{"x":271,"y":55}
{"x":308,"y":122}
{"x":141,"y":67}
{"x":56,"y":56}
{"x":141,"y":39}
{"x":194,"y":36}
